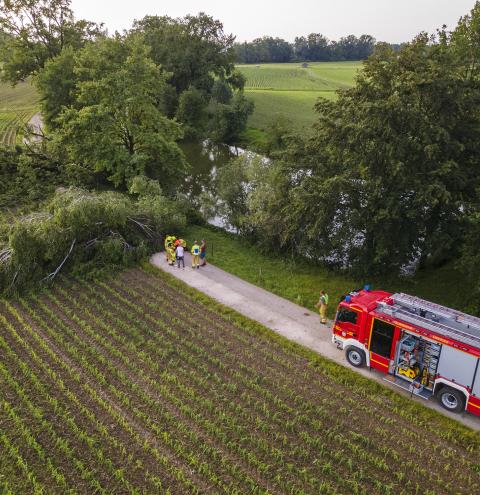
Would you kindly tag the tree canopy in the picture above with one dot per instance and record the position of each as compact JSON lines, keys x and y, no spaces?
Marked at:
{"x":314,"y":47}
{"x":390,"y":176}
{"x":114,"y":124}
{"x":193,"y":50}
{"x":197,"y":58}
{"x":38,"y":31}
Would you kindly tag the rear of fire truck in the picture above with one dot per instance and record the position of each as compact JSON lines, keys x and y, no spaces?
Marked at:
{"x":423,"y":348}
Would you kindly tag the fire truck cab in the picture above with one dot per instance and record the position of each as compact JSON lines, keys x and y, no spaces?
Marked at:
{"x":425,"y":348}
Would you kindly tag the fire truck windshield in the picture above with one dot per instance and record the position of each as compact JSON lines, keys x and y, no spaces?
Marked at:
{"x":347,"y":315}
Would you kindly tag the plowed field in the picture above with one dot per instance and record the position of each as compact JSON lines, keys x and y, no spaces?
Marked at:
{"x":139,"y":385}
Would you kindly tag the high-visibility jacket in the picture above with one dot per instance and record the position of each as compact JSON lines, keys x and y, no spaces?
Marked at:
{"x":324,"y":299}
{"x":195,"y":250}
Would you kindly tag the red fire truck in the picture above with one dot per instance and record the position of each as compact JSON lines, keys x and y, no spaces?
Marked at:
{"x":425,"y":348}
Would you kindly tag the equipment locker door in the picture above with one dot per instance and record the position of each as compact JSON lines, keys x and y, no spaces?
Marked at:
{"x":381,"y":343}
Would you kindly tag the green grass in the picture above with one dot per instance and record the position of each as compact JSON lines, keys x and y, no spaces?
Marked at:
{"x":301,"y":282}
{"x":295,"y":106}
{"x":291,"y":91}
{"x":17,"y":105}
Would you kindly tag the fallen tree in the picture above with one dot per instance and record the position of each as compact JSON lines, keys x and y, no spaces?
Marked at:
{"x":85,"y":232}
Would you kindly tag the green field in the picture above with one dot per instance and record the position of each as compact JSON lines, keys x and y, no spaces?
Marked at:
{"x":295,"y":106}
{"x":291,"y":90}
{"x":17,"y":106}
{"x":140,"y":385}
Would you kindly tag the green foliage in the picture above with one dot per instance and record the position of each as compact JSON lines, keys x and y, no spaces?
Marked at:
{"x":229,"y":121}
{"x":387,"y":178}
{"x":143,"y":186}
{"x":192,"y":113}
{"x":198,"y":59}
{"x":115,"y":125}
{"x":221,"y":92}
{"x":89,"y":230}
{"x":27,"y":178}
{"x":313,"y":48}
{"x":469,"y":262}
{"x":38,"y":31}
{"x":265,"y":49}
{"x":57,"y":85}
{"x":192,"y":49}
{"x":394,"y":155}
{"x":232,"y":187}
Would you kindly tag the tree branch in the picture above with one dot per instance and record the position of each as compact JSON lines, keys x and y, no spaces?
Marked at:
{"x":52,"y":275}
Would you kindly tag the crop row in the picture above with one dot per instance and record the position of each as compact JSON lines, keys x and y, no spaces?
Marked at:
{"x":285,"y":79}
{"x":132,"y":386}
{"x":379,"y":462}
{"x":9,"y":126}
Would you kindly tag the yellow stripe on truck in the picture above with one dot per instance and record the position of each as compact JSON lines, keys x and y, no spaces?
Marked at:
{"x":378,"y":362}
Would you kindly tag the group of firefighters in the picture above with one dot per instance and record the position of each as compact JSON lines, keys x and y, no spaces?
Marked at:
{"x":175,"y":252}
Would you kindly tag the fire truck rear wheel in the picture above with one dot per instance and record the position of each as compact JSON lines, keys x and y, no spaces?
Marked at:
{"x":355,"y":357}
{"x":451,"y":399}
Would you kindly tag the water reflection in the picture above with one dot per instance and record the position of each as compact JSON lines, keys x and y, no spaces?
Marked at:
{"x":205,"y":159}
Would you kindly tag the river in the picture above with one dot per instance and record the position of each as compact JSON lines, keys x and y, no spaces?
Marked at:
{"x":205,"y":159}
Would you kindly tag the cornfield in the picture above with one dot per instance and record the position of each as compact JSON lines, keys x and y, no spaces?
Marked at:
{"x":137,"y":384}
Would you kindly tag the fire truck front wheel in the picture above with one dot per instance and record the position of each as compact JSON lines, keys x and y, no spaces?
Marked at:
{"x":451,"y":399}
{"x":355,"y":357}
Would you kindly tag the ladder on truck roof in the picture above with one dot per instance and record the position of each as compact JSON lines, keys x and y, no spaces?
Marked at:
{"x":440,"y":319}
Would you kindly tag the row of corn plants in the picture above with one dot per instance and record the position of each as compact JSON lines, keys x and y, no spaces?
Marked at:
{"x":379,"y":461}
{"x":138,"y":385}
{"x":111,"y":416}
{"x":387,"y":447}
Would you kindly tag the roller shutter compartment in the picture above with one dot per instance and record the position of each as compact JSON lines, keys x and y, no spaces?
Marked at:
{"x":457,"y":366}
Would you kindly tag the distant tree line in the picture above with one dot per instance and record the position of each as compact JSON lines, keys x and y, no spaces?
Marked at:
{"x":312,"y":48}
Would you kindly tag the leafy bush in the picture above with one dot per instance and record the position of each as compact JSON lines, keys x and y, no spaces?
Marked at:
{"x":85,"y":231}
{"x":26,"y":178}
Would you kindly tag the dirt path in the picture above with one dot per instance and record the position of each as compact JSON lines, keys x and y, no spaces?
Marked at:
{"x":36,"y":126}
{"x":284,"y":317}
